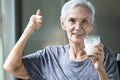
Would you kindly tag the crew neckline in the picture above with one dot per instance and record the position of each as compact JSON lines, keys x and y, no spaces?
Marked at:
{"x":68,"y":60}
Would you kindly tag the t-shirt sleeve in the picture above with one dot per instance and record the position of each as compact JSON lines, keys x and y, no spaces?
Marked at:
{"x":110,"y":65}
{"x":35,"y":64}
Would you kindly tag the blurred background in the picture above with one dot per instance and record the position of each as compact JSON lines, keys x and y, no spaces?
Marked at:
{"x":15,"y":14}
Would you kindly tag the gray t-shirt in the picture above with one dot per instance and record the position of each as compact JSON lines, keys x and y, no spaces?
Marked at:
{"x":53,"y":63}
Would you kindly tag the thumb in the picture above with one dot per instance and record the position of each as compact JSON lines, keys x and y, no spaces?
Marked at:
{"x":38,"y":12}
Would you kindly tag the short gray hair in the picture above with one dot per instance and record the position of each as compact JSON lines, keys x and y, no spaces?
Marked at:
{"x":74,"y":3}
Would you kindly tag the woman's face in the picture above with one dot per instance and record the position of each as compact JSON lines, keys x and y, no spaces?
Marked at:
{"x":77,"y":23}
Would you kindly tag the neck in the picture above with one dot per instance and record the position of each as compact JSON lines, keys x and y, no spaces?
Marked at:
{"x":76,"y":52}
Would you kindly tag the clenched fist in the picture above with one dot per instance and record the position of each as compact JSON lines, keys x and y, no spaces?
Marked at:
{"x":34,"y":23}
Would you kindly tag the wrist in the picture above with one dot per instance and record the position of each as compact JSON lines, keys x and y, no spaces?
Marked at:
{"x":28,"y":31}
{"x":25,"y":35}
{"x":102,"y":73}
{"x":101,"y":70}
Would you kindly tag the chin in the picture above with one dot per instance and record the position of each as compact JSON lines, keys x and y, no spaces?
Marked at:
{"x":77,"y":41}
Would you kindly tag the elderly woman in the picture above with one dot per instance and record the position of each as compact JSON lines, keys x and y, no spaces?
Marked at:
{"x":68,"y":62}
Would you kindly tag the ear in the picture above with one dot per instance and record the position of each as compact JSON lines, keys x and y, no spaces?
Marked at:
{"x":62,"y":23}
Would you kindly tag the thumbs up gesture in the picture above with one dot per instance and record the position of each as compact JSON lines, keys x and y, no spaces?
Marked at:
{"x":34,"y":23}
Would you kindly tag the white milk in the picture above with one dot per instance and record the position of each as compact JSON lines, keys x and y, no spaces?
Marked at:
{"x":90,"y":42}
{"x":90,"y":49}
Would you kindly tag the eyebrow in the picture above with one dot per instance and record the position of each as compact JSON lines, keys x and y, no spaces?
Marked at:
{"x":79,"y":18}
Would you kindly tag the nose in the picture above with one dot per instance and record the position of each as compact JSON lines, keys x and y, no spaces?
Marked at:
{"x":78,"y":27}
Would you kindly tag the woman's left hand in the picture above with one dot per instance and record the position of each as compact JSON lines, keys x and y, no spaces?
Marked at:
{"x":98,"y":56}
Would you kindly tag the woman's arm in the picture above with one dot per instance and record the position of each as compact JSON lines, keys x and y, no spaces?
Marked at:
{"x":13,"y":63}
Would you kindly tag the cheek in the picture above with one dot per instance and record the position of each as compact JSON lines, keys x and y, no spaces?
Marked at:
{"x":87,"y":32}
{"x":69,"y":32}
{"x":69,"y":28}
{"x":87,"y":29}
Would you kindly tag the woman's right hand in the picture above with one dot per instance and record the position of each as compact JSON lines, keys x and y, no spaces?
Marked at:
{"x":34,"y":23}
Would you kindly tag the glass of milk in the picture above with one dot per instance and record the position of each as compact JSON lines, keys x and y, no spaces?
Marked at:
{"x":90,"y":42}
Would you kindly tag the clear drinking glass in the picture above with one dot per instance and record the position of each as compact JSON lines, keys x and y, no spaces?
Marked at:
{"x":90,"y":42}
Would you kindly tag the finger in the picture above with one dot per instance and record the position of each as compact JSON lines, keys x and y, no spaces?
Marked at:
{"x":38,"y":12}
{"x":99,"y":55}
{"x":97,"y":58}
{"x":98,"y":52}
{"x":100,"y":45}
{"x":94,"y":59}
{"x":99,"y":48}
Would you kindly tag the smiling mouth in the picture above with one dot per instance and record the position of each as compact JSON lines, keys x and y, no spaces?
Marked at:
{"x":78,"y":34}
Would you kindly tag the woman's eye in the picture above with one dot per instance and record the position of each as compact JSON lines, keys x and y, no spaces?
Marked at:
{"x":84,"y":21}
{"x":72,"y":20}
